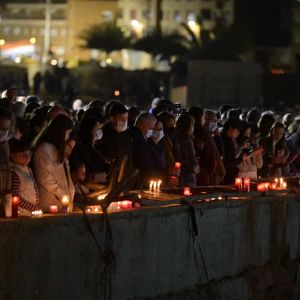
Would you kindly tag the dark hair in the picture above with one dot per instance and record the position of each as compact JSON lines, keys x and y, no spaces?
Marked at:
{"x":197,"y":113}
{"x":224,"y":108}
{"x":94,"y":112}
{"x":254,"y":128}
{"x":117,"y":109}
{"x":164,"y":106}
{"x":31,"y":107}
{"x":75,"y":163}
{"x":85,"y":128}
{"x":54,"y":134}
{"x":233,"y":113}
{"x":17,"y":146}
{"x":233,"y":123}
{"x":107,"y":107}
{"x":5,"y":114}
{"x":184,"y":124}
{"x":253,"y":115}
{"x":277,"y":125}
{"x":265,"y":123}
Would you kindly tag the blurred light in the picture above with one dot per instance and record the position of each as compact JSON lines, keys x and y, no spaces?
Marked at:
{"x":212,"y":36}
{"x":117,"y":93}
{"x":192,"y":23}
{"x":2,"y":42}
{"x":277,"y":71}
{"x":17,"y":60}
{"x":108,"y":61}
{"x":53,"y":62}
{"x":32,"y":40}
{"x":135,"y":23}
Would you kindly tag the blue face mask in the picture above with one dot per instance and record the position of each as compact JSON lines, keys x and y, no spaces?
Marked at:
{"x":99,"y":135}
{"x":3,"y":135}
{"x":149,"y":133}
{"x":157,"y":135}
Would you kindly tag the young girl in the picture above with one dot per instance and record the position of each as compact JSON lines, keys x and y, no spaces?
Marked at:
{"x":22,"y":181}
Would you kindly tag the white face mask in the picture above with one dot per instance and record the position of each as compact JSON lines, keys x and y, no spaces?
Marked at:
{"x":212,"y":126}
{"x":99,"y":135}
{"x":149,"y":133}
{"x":120,"y":126}
{"x":158,"y":135}
{"x":3,"y":136}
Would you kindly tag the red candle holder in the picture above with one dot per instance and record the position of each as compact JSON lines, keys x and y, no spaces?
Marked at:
{"x":238,"y":183}
{"x":187,"y":191}
{"x":53,"y":209}
{"x":125,"y":204}
{"x":15,"y":206}
{"x":247,"y":184}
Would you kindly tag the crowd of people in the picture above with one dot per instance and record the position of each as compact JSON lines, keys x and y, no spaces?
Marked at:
{"x":49,"y":151}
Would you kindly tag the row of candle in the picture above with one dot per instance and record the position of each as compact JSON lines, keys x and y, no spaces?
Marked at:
{"x":154,"y":187}
{"x":242,"y":184}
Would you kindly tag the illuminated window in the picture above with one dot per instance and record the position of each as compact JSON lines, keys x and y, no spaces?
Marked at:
{"x":17,"y":31}
{"x":107,"y":15}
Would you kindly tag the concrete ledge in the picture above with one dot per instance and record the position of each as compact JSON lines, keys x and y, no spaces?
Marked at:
{"x":250,"y":251}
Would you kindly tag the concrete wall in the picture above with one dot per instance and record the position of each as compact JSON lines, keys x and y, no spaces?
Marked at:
{"x":250,"y":249}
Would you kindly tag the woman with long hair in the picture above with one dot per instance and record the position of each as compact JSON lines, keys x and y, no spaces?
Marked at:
{"x":50,"y":166}
{"x":90,"y":133}
{"x":185,"y":149}
{"x":276,"y":152}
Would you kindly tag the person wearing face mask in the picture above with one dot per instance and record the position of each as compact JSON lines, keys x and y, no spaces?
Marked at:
{"x":51,"y":172}
{"x":90,"y":133}
{"x":185,"y":150}
{"x":276,"y":152}
{"x":148,"y":154}
{"x":116,"y":142}
{"x":22,"y":181}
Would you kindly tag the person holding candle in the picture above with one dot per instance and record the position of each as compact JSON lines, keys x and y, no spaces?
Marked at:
{"x":229,"y":135}
{"x":50,"y":168}
{"x":148,"y":155}
{"x":23,"y":184}
{"x":276,"y":152}
{"x":185,"y":150}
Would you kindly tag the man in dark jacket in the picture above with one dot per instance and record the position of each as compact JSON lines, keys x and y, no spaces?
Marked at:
{"x":148,"y":156}
{"x":116,"y":142}
{"x":229,"y":134}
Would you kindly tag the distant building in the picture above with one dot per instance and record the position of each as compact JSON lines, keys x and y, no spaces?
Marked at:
{"x":140,"y":15}
{"x":24,"y":21}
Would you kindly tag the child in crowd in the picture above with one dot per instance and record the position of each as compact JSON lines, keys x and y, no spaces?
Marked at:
{"x":22,"y":181}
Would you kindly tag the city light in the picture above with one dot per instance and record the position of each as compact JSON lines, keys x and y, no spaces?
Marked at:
{"x":117,"y":93}
{"x":2,"y":42}
{"x":53,"y":62}
{"x":17,"y":60}
{"x":32,"y":40}
{"x":192,"y":23}
{"x":137,"y":27}
{"x":108,"y":61}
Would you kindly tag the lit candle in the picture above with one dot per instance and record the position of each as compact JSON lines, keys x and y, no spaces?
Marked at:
{"x":247,"y":184}
{"x":37,"y":213}
{"x":158,"y":187}
{"x":126,"y":204}
{"x":187,"y":191}
{"x":284,"y":185}
{"x":15,"y":206}
{"x":151,"y":186}
{"x":273,"y":186}
{"x":177,"y":165}
{"x":53,"y":209}
{"x":65,"y":202}
{"x":238,"y":183}
{"x":263,"y":187}
{"x":280,"y":182}
{"x":154,"y":187}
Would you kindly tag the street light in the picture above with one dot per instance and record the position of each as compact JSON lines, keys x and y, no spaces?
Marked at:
{"x":2,"y":42}
{"x":195,"y":27}
{"x":137,"y":26}
{"x":32,"y":40}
